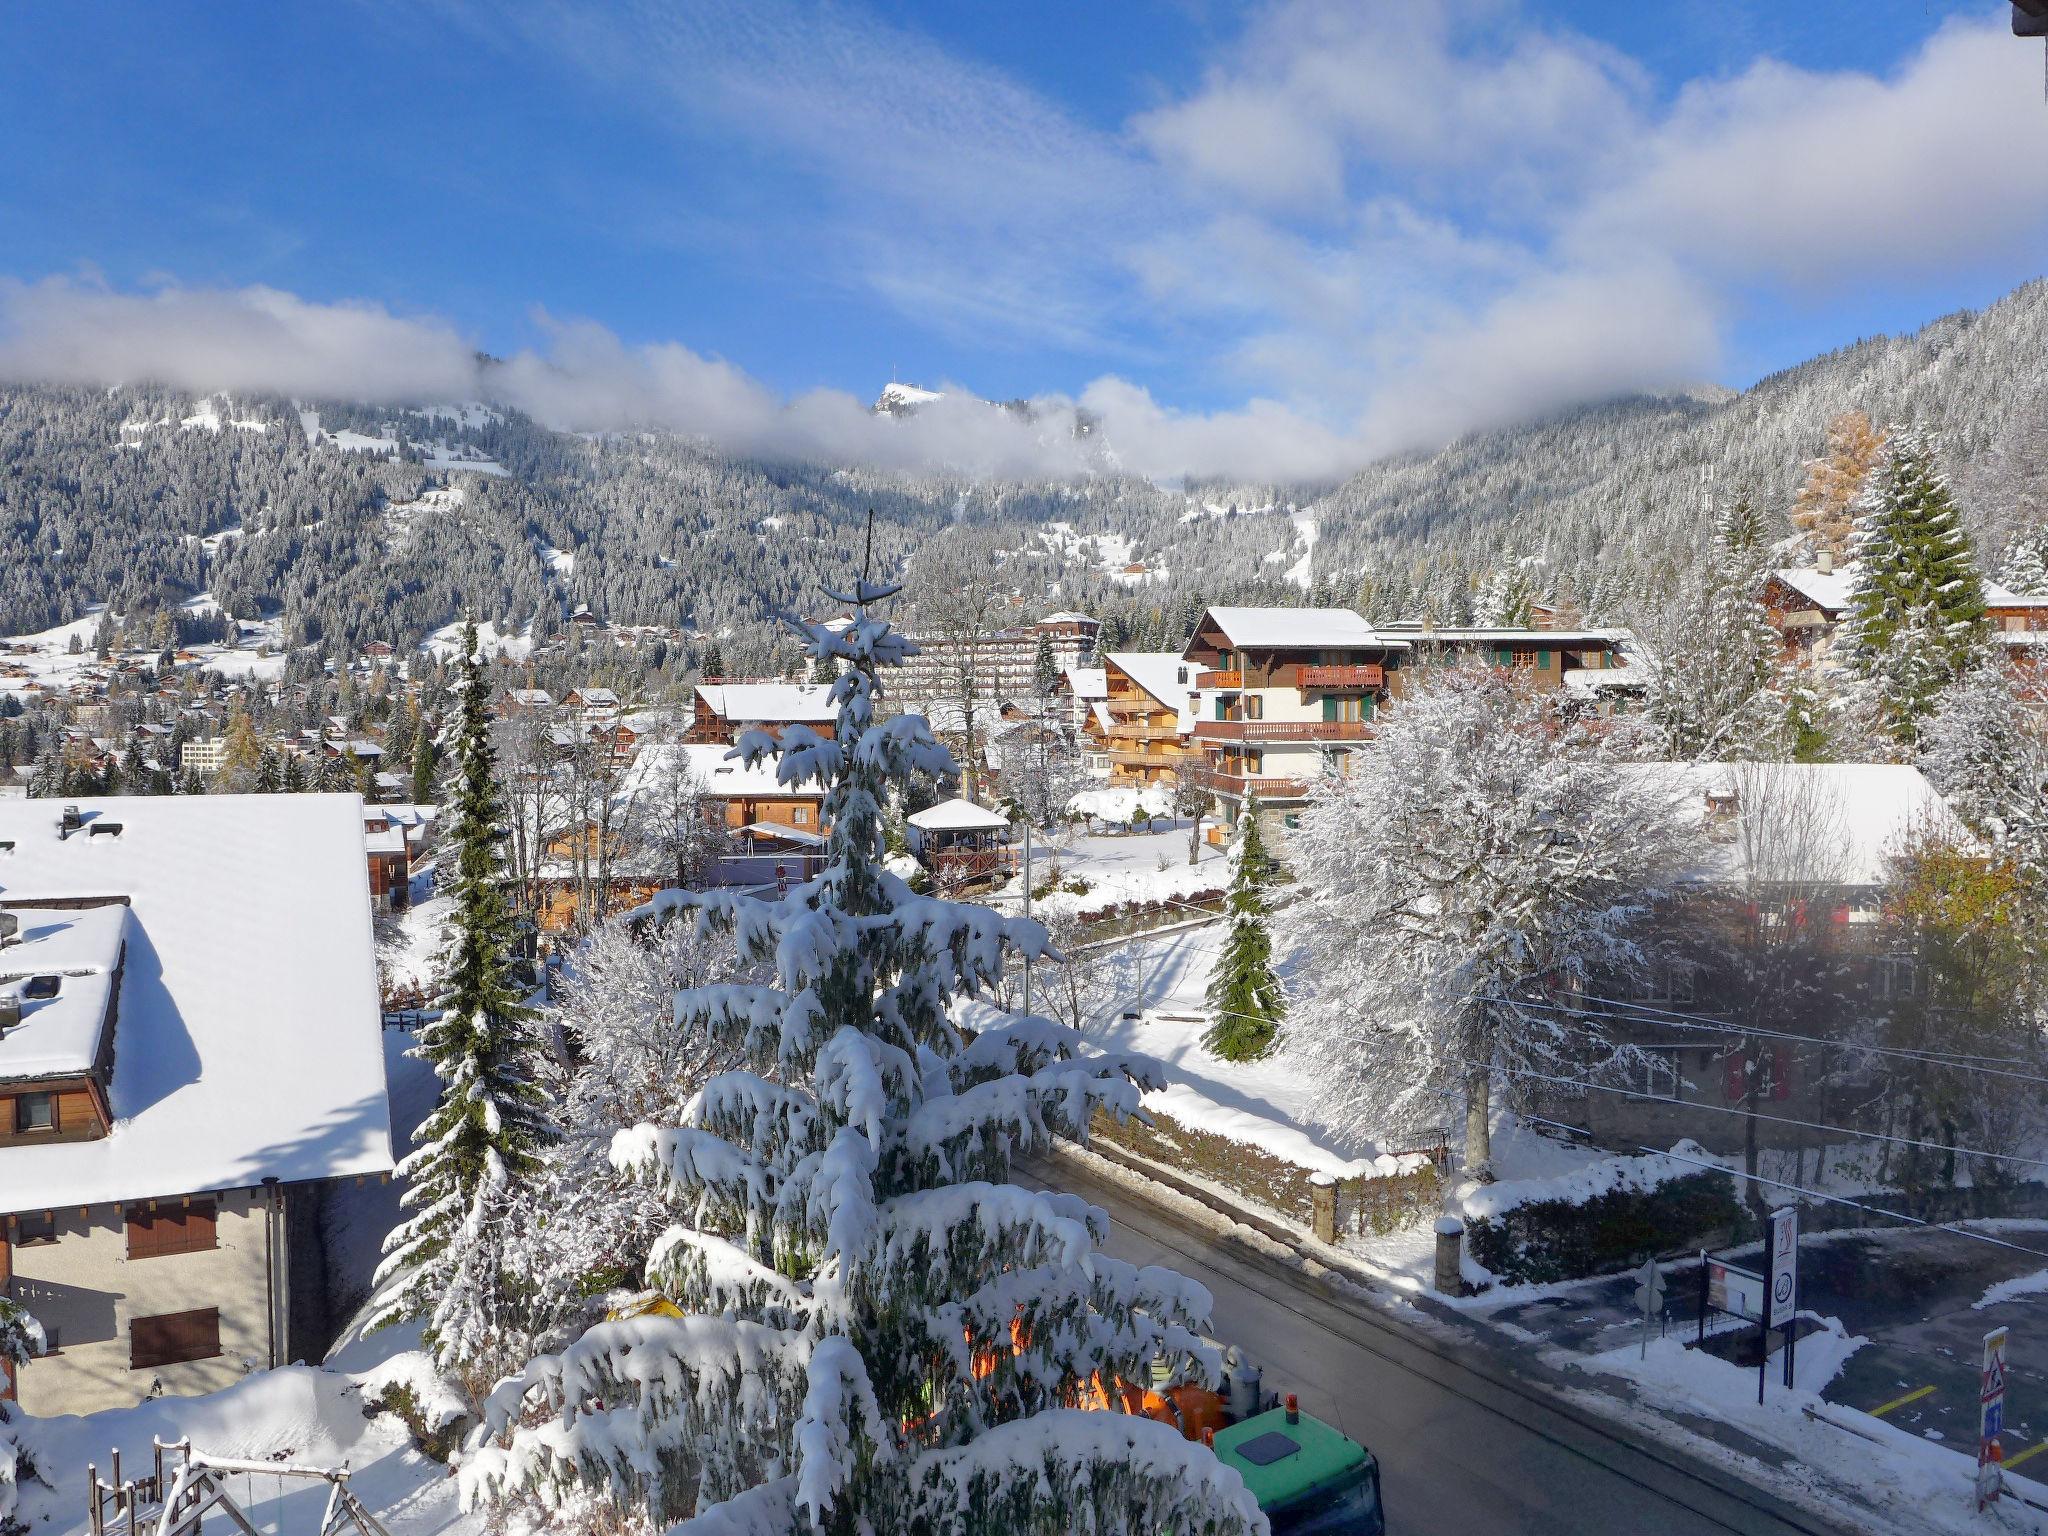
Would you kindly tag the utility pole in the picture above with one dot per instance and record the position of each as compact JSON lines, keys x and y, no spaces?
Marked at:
{"x":1027,"y":908}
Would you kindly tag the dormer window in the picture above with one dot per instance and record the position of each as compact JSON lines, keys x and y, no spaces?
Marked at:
{"x":34,"y":1112}
{"x":40,"y":989}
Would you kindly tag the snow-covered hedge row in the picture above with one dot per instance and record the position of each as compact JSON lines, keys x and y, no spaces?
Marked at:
{"x":1137,"y":889}
{"x":1606,"y":1216}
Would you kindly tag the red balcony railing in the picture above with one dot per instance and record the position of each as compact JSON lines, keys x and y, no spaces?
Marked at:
{"x":1369,"y":675}
{"x":1243,"y":784}
{"x":1283,"y":730}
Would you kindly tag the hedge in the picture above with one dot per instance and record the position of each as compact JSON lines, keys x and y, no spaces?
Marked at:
{"x":1545,"y":1240}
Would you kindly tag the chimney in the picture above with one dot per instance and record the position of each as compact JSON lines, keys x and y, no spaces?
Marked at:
{"x":10,"y":926}
{"x":10,"y":1011}
{"x":1824,"y":562}
{"x":69,"y":822}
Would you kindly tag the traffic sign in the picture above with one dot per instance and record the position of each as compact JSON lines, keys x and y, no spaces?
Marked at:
{"x":1991,"y":1417}
{"x":1650,"y":1288}
{"x":1784,"y":1265}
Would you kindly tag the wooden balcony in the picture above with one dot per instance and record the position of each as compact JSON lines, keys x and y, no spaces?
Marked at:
{"x":1127,"y":731}
{"x":1283,"y":730}
{"x":1368,"y":675}
{"x":1132,"y":759}
{"x":1219,"y":679}
{"x":1240,"y":785}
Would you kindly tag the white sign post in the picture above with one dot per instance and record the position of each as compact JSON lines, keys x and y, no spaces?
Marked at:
{"x":1782,"y":1307}
{"x":1650,"y":1297}
{"x":1991,"y":1419}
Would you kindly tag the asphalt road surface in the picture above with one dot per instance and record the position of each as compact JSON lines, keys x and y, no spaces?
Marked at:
{"x":1461,"y":1453}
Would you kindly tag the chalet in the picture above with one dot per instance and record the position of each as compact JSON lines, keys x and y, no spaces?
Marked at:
{"x":593,"y":706}
{"x":735,"y":795}
{"x":722,"y":712}
{"x":1806,"y":603}
{"x":1283,"y":695}
{"x":189,"y":1058}
{"x":1144,"y":724}
{"x":1599,"y":666}
{"x":390,"y":861}
{"x":1080,"y":690}
{"x":517,"y":699}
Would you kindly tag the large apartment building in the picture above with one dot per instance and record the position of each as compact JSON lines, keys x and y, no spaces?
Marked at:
{"x":1283,"y":695}
{"x":1001,"y":663}
{"x":190,"y":1057}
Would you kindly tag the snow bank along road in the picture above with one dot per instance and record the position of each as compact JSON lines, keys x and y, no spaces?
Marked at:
{"x":1461,"y":1453}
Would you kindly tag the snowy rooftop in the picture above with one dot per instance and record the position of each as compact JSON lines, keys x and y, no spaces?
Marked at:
{"x":1297,"y":626}
{"x":1510,"y":635}
{"x":1087,"y":683}
{"x":1160,"y":673}
{"x":60,"y":1036}
{"x":1825,"y":823}
{"x":1996,"y":596}
{"x":1827,"y":590}
{"x":770,"y":703}
{"x":247,"y":1043}
{"x":957,"y":815}
{"x":721,"y":776}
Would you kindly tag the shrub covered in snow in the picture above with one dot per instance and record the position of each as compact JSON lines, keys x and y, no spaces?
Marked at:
{"x":1603,"y":1217}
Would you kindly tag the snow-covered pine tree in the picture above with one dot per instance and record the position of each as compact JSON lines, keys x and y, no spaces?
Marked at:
{"x":1508,"y":598}
{"x":1985,"y":748}
{"x":2025,"y":567}
{"x":490,"y":1125}
{"x":1482,"y":862}
{"x":1715,"y":691}
{"x":21,"y":1340}
{"x":880,"y":1333}
{"x":1045,"y":672}
{"x":1244,"y":994}
{"x":1916,"y":603}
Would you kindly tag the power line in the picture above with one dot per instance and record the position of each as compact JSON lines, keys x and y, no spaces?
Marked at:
{"x":1663,"y":1014}
{"x":1925,"y":1058}
{"x":1718,"y":1109}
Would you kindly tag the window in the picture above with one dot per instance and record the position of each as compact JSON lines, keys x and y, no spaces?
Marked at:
{"x":169,"y":1229}
{"x":34,"y":1112}
{"x":800,"y":816}
{"x":35,"y":1231}
{"x":173,"y":1337}
{"x":1254,"y":706}
{"x":1525,"y":661}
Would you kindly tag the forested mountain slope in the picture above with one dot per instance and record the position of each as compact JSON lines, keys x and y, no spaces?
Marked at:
{"x":362,"y":523}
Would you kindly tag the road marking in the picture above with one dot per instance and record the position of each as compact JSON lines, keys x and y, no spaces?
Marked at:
{"x":2033,"y":1450}
{"x":1900,"y":1402}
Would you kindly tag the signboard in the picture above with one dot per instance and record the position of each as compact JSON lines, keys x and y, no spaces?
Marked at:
{"x":1739,"y":1292}
{"x":1784,"y":1265}
{"x":1990,"y":1416}
{"x":1650,"y":1288}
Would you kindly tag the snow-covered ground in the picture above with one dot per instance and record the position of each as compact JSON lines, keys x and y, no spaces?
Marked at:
{"x":408,"y":942}
{"x":447,"y":640}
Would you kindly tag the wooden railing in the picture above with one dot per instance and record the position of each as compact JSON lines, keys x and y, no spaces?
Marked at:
{"x":1124,"y":732}
{"x":1133,"y":759}
{"x":1219,"y":679}
{"x":1371,"y":675}
{"x":1284,"y":730}
{"x":1252,"y":784}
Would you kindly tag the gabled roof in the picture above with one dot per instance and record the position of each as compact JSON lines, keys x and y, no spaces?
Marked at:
{"x":1086,"y":683}
{"x":61,"y":1035}
{"x":769,"y":703}
{"x":1159,"y":673}
{"x":957,"y":815}
{"x":721,"y":776}
{"x":248,"y":1043}
{"x":1282,"y":627}
{"x":1996,"y":596}
{"x":1826,"y":590}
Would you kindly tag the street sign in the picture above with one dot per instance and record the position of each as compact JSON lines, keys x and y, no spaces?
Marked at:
{"x":1784,"y":1265}
{"x":1990,"y":1416}
{"x":1738,"y":1292}
{"x":1650,"y":1288}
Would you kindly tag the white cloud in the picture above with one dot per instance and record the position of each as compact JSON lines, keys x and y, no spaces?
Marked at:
{"x":64,"y":331}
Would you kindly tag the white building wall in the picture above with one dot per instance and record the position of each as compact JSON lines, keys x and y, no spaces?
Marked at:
{"x":86,"y":1288}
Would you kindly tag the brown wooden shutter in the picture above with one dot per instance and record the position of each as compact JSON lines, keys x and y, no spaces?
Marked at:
{"x":173,"y":1337}
{"x":172,"y":1229}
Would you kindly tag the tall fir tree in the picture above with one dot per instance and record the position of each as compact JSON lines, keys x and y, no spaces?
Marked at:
{"x":878,"y":1332}
{"x":424,"y":763}
{"x":1045,"y":672}
{"x":486,"y":1133}
{"x":1916,"y":602}
{"x":1244,"y":993}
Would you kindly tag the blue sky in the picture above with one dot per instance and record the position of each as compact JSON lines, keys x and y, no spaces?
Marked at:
{"x":1258,"y":238}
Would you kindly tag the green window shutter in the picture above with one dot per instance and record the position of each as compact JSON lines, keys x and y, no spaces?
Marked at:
{"x":1543,"y":661}
{"x":1503,"y":657}
{"x":1329,"y":706}
{"x":1365,"y":708}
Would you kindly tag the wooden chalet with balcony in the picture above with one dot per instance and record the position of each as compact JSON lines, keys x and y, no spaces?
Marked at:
{"x":1283,"y":695}
{"x":723,"y":712}
{"x":1144,"y":724}
{"x":1594,"y":664}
